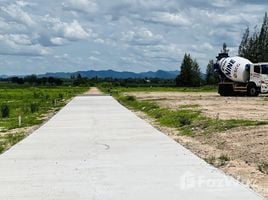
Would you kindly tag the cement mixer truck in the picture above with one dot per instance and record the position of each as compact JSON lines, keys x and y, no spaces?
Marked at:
{"x":239,"y":76}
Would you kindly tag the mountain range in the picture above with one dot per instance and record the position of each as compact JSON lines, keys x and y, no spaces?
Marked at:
{"x":114,"y":74}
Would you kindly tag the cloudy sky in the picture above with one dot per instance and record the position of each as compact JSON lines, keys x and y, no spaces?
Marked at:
{"x":38,"y":36}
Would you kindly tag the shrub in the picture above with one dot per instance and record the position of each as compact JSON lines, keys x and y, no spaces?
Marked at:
{"x":61,"y":96}
{"x":263,"y":167}
{"x":2,"y":148}
{"x":130,"y":98}
{"x":223,"y":159}
{"x":183,"y":120}
{"x":5,"y":111}
{"x":34,"y":107}
{"x":211,"y":160}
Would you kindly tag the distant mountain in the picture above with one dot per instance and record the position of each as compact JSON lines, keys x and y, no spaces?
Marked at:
{"x":115,"y":74}
{"x":3,"y":76}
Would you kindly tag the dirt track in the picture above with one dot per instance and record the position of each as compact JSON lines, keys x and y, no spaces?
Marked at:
{"x":247,"y":147}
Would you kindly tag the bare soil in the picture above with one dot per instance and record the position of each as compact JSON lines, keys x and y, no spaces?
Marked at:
{"x":211,"y":104}
{"x":247,"y":147}
{"x":93,"y":90}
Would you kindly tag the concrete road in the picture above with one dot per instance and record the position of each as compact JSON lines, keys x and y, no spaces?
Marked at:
{"x":95,"y":149}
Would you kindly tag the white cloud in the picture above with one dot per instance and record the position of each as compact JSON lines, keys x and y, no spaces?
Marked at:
{"x":167,"y":18}
{"x":20,"y":45}
{"x":71,"y":31}
{"x":134,"y":33}
{"x":86,"y":6}
{"x":15,"y":13}
{"x":57,"y":41}
{"x":223,"y":3}
{"x":205,"y":47}
{"x":142,"y":36}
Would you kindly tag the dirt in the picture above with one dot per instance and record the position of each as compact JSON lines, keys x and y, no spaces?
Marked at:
{"x":246,"y":147}
{"x":93,"y":91}
{"x":211,"y":104}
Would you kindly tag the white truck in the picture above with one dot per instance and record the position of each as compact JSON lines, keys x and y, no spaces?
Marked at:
{"x":239,"y":76}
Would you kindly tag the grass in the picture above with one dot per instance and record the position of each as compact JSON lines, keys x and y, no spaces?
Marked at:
{"x":188,"y":121}
{"x":9,"y":140}
{"x":115,"y":91}
{"x":32,"y":104}
{"x":263,"y":167}
{"x":220,"y":161}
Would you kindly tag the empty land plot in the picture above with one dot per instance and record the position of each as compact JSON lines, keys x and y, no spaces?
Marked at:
{"x":211,"y":104}
{"x":240,"y":151}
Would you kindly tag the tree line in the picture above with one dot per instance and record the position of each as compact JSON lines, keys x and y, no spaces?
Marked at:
{"x":35,"y":80}
{"x":253,"y":46}
{"x":191,"y":76}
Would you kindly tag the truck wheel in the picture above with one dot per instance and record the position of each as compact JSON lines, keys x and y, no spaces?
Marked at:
{"x":252,"y":91}
{"x":226,"y":90}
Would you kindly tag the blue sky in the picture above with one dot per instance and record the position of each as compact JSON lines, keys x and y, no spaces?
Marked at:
{"x":39,"y":36}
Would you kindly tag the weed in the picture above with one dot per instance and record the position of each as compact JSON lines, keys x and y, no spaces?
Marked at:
{"x":223,"y":159}
{"x":5,"y":111}
{"x":211,"y":160}
{"x":61,"y":96}
{"x":34,"y":107}
{"x":184,"y":120}
{"x":9,"y":140}
{"x":218,"y":162}
{"x":130,"y":98}
{"x":189,"y":106}
{"x":108,"y":88}
{"x":263,"y":167}
{"x":2,"y":148}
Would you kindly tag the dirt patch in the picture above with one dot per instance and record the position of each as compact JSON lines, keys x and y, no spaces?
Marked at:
{"x":213,"y":105}
{"x":93,"y":90}
{"x":245,"y":147}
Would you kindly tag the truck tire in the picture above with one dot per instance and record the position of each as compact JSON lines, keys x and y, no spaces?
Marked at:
{"x":226,"y":90}
{"x":252,"y":90}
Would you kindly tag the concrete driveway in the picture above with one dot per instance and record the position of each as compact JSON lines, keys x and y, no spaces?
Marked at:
{"x":96,"y":149}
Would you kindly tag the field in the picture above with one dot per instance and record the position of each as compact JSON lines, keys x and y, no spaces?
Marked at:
{"x":33,"y":105}
{"x":228,"y":132}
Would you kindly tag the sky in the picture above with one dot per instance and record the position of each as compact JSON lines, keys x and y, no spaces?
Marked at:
{"x":38,"y":36}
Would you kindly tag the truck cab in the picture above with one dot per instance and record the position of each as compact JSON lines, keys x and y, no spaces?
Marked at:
{"x":259,"y":76}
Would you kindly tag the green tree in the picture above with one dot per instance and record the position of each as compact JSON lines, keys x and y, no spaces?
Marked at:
{"x":190,"y":72}
{"x":263,"y":40}
{"x":255,"y":46}
{"x":211,"y":76}
{"x":243,"y":47}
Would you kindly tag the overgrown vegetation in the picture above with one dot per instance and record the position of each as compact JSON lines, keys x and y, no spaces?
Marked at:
{"x":116,"y":90}
{"x":32,"y":104}
{"x":5,"y":111}
{"x":188,"y":120}
{"x":8,"y":140}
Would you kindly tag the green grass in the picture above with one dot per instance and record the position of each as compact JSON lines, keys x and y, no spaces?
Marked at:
{"x":9,"y":140}
{"x":117,"y":90}
{"x":190,"y":106}
{"x":189,"y":121}
{"x":32,"y":104}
